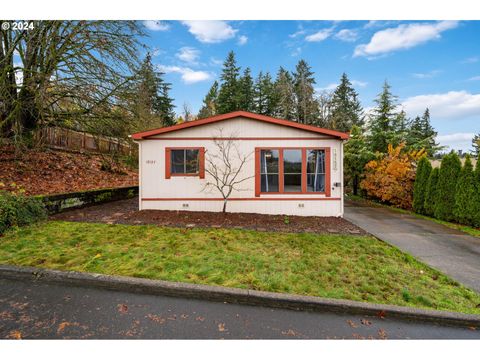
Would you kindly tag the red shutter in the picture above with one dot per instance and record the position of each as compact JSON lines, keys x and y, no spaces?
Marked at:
{"x":201,"y":160}
{"x":167,"y":163}
{"x":328,"y":187}
{"x":257,"y":172}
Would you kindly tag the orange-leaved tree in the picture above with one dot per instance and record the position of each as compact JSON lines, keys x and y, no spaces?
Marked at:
{"x":391,"y":178}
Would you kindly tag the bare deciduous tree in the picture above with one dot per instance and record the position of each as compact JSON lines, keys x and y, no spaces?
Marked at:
{"x":225,"y":167}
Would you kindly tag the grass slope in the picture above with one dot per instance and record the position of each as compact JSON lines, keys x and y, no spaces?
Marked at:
{"x":335,"y":266}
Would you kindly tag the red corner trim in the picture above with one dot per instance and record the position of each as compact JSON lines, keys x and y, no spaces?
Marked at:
{"x":167,"y":163}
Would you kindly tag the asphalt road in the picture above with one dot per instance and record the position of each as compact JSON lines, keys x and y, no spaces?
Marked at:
{"x":453,"y":252}
{"x":33,"y":309}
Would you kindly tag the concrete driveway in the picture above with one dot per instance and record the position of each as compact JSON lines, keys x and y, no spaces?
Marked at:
{"x":453,"y":252}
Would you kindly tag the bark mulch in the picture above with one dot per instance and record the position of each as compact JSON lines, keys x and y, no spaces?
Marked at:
{"x":126,"y":212}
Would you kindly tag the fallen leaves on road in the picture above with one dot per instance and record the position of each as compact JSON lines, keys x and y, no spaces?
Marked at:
{"x":366,"y":322}
{"x":352,"y":324}
{"x":381,"y":314}
{"x":382,"y":334}
{"x":64,"y":324}
{"x":200,"y":318}
{"x":14,"y":334}
{"x":290,"y":332}
{"x":156,"y":318}
{"x":221,"y":327}
{"x":122,"y":308}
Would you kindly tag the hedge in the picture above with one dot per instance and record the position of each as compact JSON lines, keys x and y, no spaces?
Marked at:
{"x":424,"y":168}
{"x":19,"y":210}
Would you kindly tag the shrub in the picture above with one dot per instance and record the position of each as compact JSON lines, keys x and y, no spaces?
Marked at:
{"x":391,"y":178}
{"x":18,"y":210}
{"x":465,"y":194}
{"x":476,"y":197}
{"x":424,"y":169}
{"x":447,"y":186}
{"x":431,"y":192}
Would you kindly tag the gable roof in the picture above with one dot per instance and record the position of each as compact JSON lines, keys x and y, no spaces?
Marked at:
{"x":235,"y":114}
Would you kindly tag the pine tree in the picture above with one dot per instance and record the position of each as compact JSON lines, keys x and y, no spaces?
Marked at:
{"x":228,"y":95}
{"x":357,"y":155}
{"x":465,"y":194}
{"x":285,"y":95}
{"x":431,"y":192}
{"x":476,"y":146}
{"x":381,"y":122}
{"x":447,"y":186}
{"x":422,"y":134}
{"x":209,"y":107}
{"x":424,"y":168}
{"x":246,"y":91}
{"x":306,"y":111}
{"x":153,"y":105}
{"x":399,"y":130}
{"x":346,"y":110}
{"x":264,"y":96}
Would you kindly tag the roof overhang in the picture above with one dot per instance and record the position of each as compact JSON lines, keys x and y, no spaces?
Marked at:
{"x":245,"y":114}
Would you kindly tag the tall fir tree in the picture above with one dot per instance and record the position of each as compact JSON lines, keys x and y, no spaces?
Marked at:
{"x":424,"y":169}
{"x":153,"y":104}
{"x":264,"y":96}
{"x":399,"y":130}
{"x":306,"y":111}
{"x":476,"y":146}
{"x":447,"y":186}
{"x":381,"y":124}
{"x":431,"y":192}
{"x":246,"y":91}
{"x":209,"y":107}
{"x":285,"y":95}
{"x":422,"y":134}
{"x":228,"y":95}
{"x":465,"y":194}
{"x":357,"y":155}
{"x":345,"y":107}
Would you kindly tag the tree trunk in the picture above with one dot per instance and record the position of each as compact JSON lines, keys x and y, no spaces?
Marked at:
{"x":224,"y":206}
{"x":355,"y":185}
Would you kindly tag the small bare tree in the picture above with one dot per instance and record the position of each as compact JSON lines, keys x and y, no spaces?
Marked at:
{"x":225,"y":167}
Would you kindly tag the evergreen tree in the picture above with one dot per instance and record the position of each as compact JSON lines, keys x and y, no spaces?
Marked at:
{"x":399,"y":130}
{"x":209,"y":107}
{"x":264,"y":98}
{"x":465,"y":194}
{"x":447,"y":186}
{"x":422,"y":134}
{"x":246,"y":91}
{"x":476,"y":197}
{"x":228,"y":95}
{"x":346,"y":110}
{"x":285,"y":95}
{"x":476,"y":146}
{"x":153,"y":105}
{"x":357,"y":154}
{"x":306,"y":111}
{"x":431,"y":192}
{"x":424,"y":168}
{"x":382,"y":120}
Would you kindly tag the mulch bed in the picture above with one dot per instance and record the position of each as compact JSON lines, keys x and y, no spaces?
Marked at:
{"x":126,"y":212}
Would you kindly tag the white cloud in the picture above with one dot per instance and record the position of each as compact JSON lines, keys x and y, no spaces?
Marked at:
{"x":213,"y":31}
{"x":188,"y":75}
{"x":377,"y":24}
{"x":188,"y":54}
{"x":328,"y":87}
{"x":471,"y":60}
{"x":242,"y":40}
{"x":297,"y":34}
{"x":456,"y":140}
{"x":319,"y":35}
{"x":359,"y":83}
{"x":156,"y":25}
{"x":347,"y":35}
{"x":404,"y":36}
{"x":474,"y":78}
{"x":427,"y":75}
{"x":450,"y":105}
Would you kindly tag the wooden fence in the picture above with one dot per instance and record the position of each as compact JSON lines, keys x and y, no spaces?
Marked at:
{"x":63,"y":138}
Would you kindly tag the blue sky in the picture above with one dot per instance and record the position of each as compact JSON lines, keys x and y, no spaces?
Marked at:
{"x":428,"y":63}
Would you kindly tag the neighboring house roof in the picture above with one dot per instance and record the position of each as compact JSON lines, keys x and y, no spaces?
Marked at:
{"x":235,"y":114}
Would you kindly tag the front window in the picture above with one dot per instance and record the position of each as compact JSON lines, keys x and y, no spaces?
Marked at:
{"x":299,"y":170}
{"x":184,"y":161}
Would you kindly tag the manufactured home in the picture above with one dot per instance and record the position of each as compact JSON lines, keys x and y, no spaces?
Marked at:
{"x":272,"y":166}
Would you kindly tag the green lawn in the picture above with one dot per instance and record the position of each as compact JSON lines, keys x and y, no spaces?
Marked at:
{"x":335,"y":266}
{"x":464,"y":228}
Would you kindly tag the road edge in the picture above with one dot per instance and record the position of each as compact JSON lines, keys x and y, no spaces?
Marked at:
{"x":235,"y":295}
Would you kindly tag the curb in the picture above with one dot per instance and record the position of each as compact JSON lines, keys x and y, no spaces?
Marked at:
{"x":233,"y":295}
